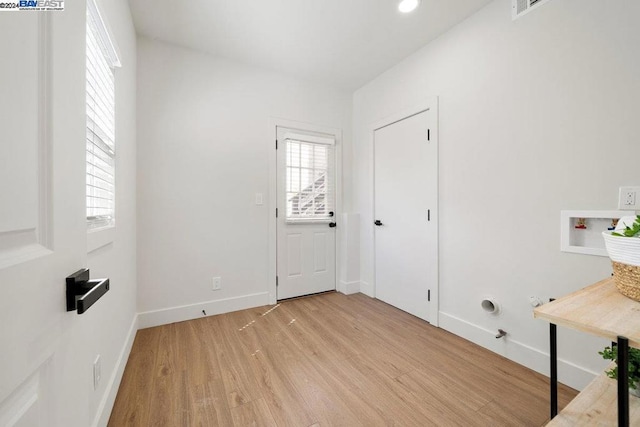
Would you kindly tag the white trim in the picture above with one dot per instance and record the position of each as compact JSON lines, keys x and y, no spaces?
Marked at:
{"x":427,"y":104}
{"x":274,"y":124}
{"x":20,"y":246}
{"x":310,"y":138}
{"x":367,"y":289}
{"x":309,"y":221}
{"x":109,"y":397}
{"x":99,"y":237}
{"x":181,"y":313}
{"x":21,"y":401}
{"x":349,"y":288}
{"x":22,"y":254}
{"x":44,"y":132}
{"x":568,"y":373}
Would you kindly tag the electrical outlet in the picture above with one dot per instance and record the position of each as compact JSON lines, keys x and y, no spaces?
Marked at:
{"x":97,"y":372}
{"x":628,"y":199}
{"x":217,"y":283}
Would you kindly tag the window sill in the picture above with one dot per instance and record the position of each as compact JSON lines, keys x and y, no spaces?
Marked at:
{"x":100,"y":237}
{"x":309,"y":221}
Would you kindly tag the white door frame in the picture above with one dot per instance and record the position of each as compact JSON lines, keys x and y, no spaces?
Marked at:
{"x":431,"y":104}
{"x":274,"y":124}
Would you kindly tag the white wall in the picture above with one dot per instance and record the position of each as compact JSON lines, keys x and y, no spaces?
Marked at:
{"x":203,"y":154}
{"x":536,"y":115}
{"x":41,"y":343}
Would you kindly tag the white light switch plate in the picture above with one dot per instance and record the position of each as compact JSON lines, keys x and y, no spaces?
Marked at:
{"x":629,"y":198}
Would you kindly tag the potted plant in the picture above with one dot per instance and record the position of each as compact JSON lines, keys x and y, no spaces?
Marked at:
{"x":611,"y":353}
{"x":623,"y":247}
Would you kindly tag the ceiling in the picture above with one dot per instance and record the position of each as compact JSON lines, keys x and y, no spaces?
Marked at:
{"x":343,"y":43}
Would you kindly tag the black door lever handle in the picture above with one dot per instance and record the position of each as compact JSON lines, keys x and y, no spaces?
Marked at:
{"x":332,"y":224}
{"x":378,"y":222}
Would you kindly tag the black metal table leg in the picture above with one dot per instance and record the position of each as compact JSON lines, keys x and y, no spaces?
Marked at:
{"x":623,"y":382}
{"x":553,"y":356}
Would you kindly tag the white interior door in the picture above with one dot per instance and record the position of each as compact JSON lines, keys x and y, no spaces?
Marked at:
{"x":306,"y":222}
{"x":406,"y":240}
{"x":42,"y":214}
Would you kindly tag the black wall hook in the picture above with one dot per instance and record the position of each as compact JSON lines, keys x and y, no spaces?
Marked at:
{"x":82,"y":293}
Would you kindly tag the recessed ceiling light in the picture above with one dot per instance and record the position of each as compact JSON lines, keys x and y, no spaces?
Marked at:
{"x":407,"y":6}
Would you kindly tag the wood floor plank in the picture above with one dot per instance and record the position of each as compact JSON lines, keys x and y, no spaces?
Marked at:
{"x":167,"y":408}
{"x":239,"y":382}
{"x":367,"y":344}
{"x":259,"y":337}
{"x":337,"y":390}
{"x":195,"y":350}
{"x":253,"y":414}
{"x":435,"y":384}
{"x":325,"y":360}
{"x":204,"y":406}
{"x":313,"y":336}
{"x":397,"y":404}
{"x":131,"y":406}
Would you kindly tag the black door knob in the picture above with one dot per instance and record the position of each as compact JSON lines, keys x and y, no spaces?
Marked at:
{"x":378,"y":222}
{"x":332,"y":224}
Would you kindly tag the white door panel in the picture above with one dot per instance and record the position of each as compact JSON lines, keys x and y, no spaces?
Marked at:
{"x":306,"y":250}
{"x":320,"y":240}
{"x":20,"y":143}
{"x":406,"y":206}
{"x":42,"y":221}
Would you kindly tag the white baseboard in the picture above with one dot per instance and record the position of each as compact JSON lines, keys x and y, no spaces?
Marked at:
{"x":165,"y":316}
{"x":367,"y":289}
{"x":568,"y":373}
{"x":109,"y":398}
{"x":349,"y":288}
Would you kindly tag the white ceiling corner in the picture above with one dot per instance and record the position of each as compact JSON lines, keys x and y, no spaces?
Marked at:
{"x":342,"y":43}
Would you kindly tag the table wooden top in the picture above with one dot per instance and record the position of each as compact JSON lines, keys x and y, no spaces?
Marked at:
{"x":598,"y":309}
{"x":597,"y":405}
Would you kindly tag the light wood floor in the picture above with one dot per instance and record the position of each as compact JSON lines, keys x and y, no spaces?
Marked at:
{"x":327,"y":360}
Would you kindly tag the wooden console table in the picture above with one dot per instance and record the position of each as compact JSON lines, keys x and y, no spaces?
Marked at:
{"x":599,"y":310}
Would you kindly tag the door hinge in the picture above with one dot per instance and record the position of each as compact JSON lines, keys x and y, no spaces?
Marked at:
{"x":428,"y":214}
{"x":428,"y":134}
{"x":276,"y":144}
{"x":276,"y":281}
{"x":429,"y":295}
{"x":276,"y":212}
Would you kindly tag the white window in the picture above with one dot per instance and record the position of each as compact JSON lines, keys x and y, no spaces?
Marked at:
{"x":310,"y":178}
{"x":101,"y":147}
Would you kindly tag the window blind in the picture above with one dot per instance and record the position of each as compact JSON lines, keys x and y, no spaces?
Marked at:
{"x":100,"y":135}
{"x":309,"y":181}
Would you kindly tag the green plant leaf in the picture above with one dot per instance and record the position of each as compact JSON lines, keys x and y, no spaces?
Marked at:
{"x":630,"y":231}
{"x":610,"y":353}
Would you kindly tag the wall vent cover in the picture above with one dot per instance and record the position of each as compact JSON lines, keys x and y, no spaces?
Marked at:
{"x":521,"y":7}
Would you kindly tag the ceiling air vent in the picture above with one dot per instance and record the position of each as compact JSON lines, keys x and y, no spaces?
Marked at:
{"x":520,"y":7}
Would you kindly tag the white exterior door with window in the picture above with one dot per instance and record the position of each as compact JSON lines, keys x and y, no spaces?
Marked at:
{"x":306,"y":222}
